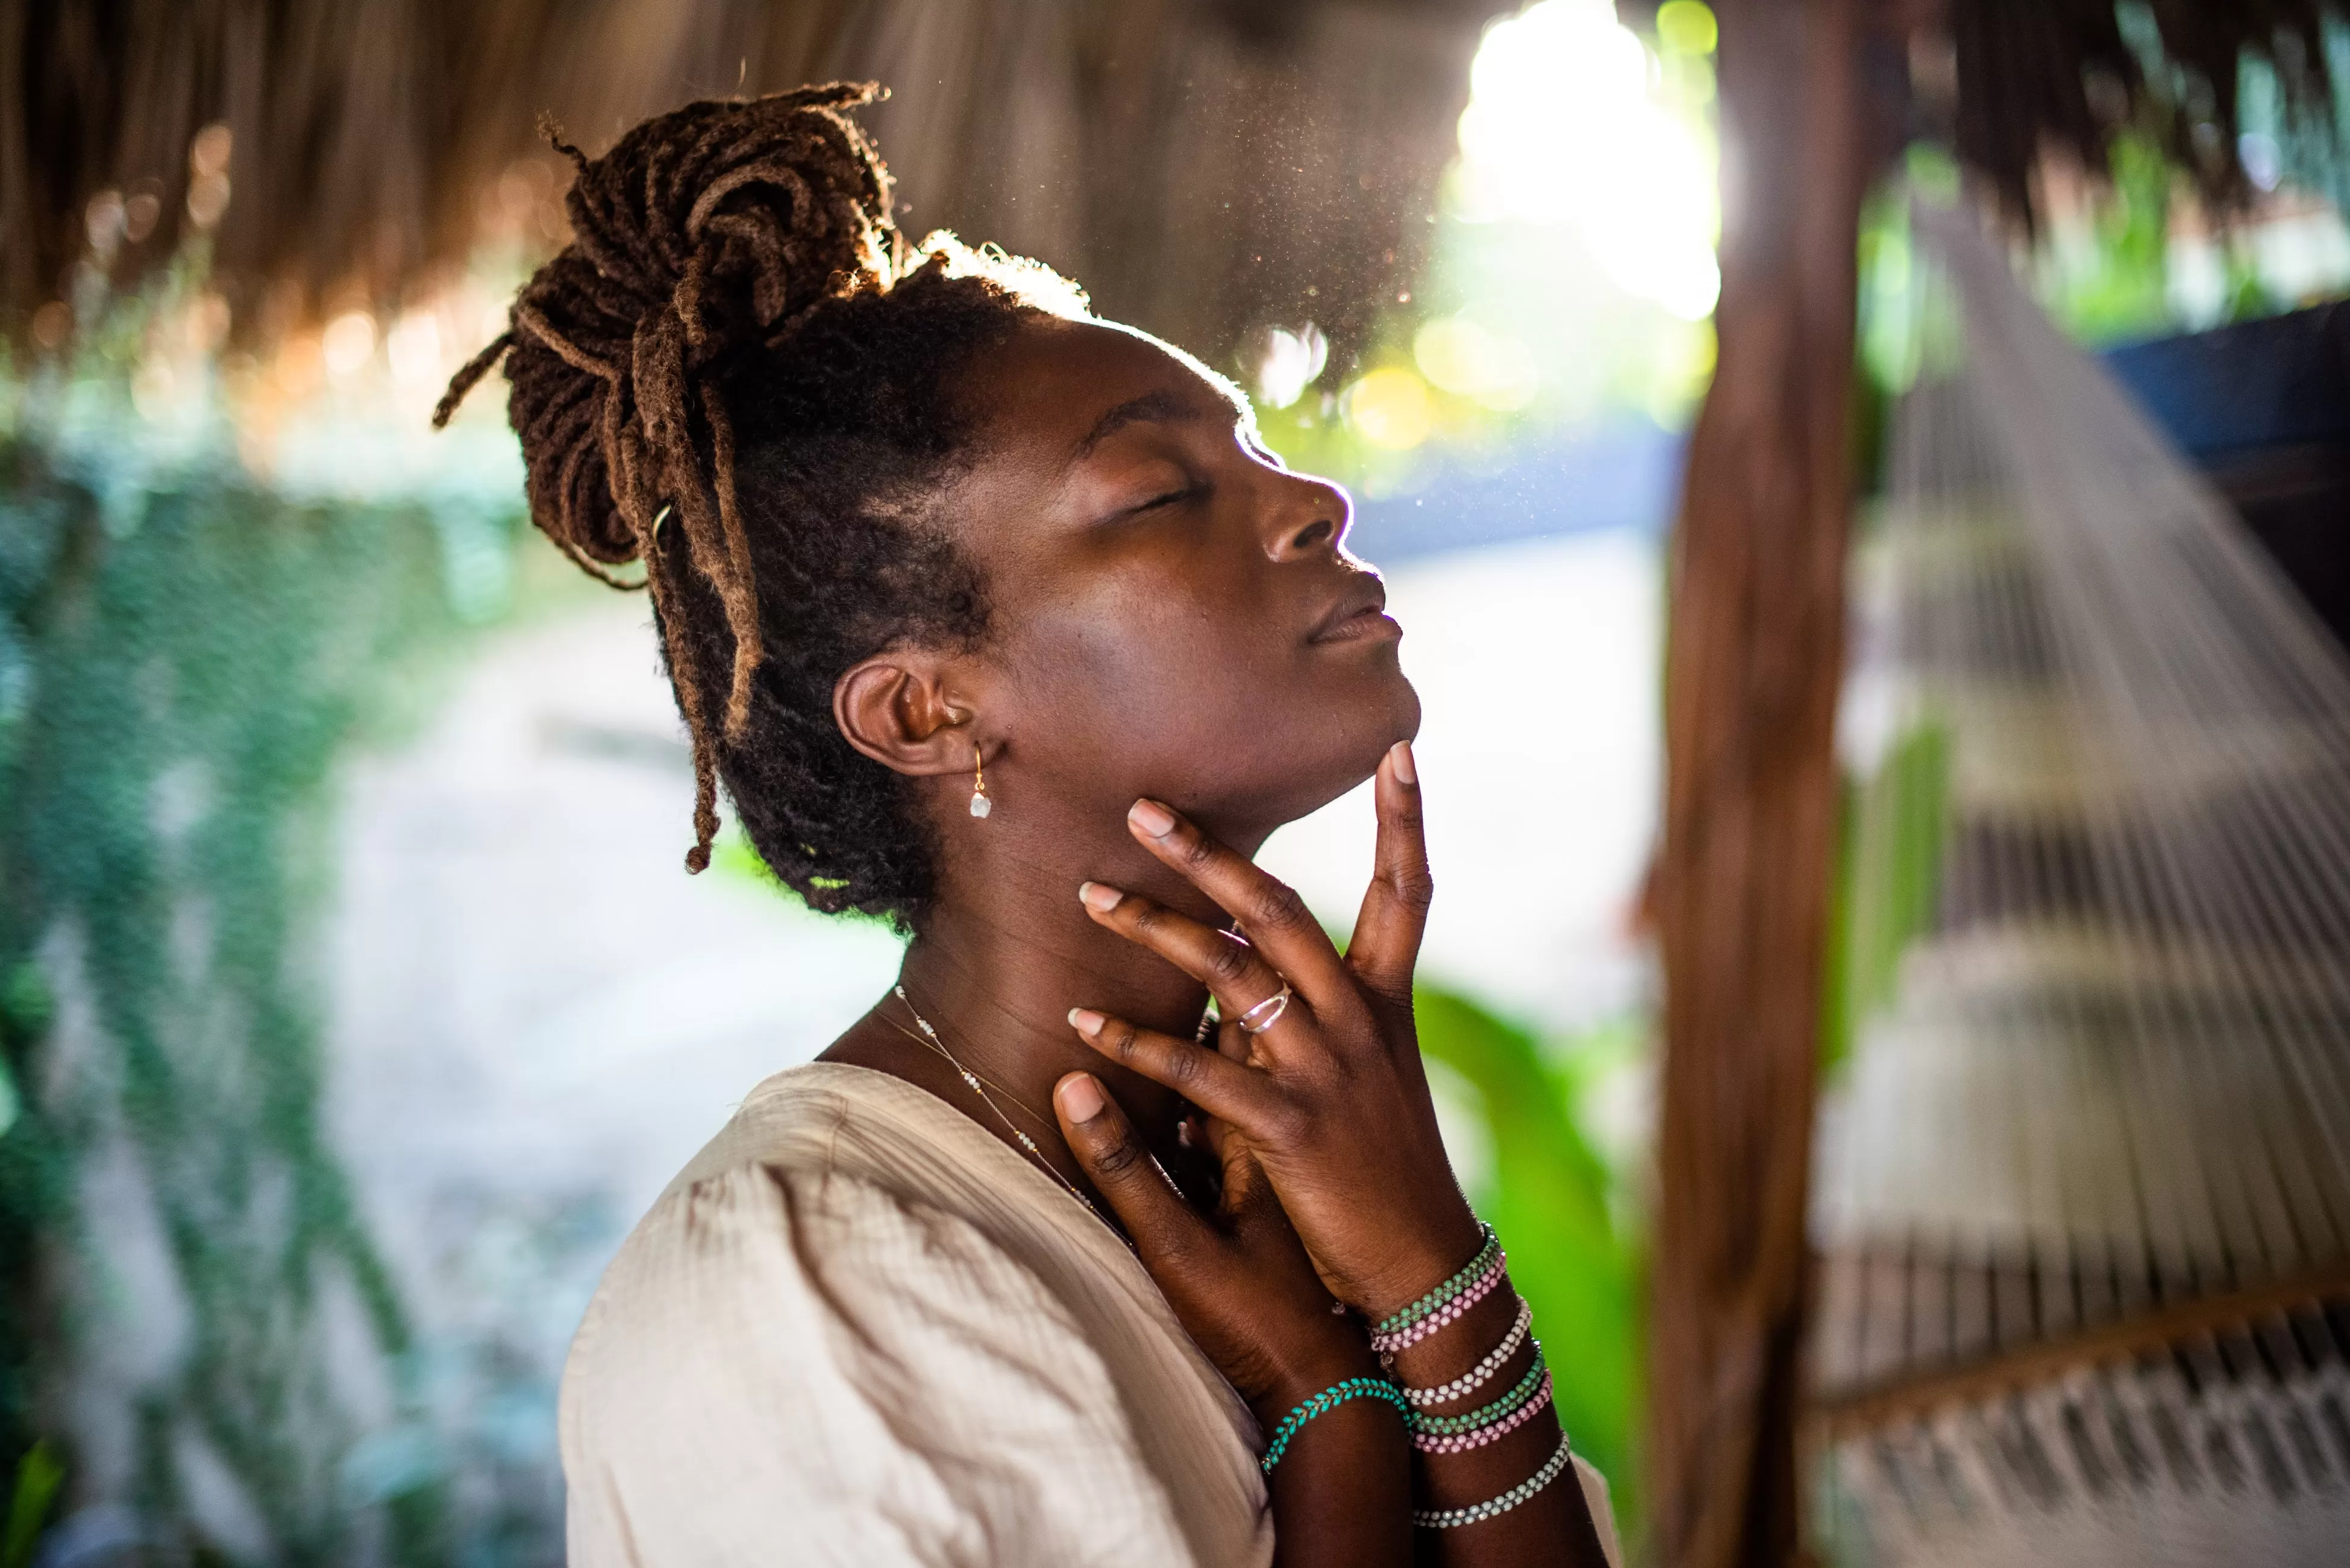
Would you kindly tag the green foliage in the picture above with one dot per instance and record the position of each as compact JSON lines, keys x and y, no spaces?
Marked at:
{"x":1551,"y":1197}
{"x":1888,"y":879}
{"x":39,"y":1476}
{"x":182,"y":656}
{"x":2118,"y":285}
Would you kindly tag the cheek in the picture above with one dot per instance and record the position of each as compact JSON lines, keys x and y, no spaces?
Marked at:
{"x":1201,"y":695}
{"x":1140,"y":676}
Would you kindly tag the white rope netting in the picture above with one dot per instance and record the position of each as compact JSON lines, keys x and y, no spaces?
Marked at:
{"x":2103,"y":850}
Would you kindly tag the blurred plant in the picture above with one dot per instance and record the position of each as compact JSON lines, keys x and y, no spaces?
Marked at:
{"x":2104,"y":270}
{"x":1561,"y":1209}
{"x":39,"y":1476}
{"x":185,"y":651}
{"x":1887,"y":881}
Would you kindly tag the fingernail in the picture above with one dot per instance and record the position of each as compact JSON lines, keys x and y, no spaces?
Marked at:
{"x":1094,"y":895}
{"x":1086,"y":1020}
{"x":1400,"y":755}
{"x":1152,"y":818}
{"x":1081,"y":1096}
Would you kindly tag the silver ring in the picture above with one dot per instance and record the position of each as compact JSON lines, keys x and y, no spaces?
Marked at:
{"x":1273,"y":1007}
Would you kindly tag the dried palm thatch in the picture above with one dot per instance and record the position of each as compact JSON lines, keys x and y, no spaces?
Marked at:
{"x":2036,"y":77}
{"x":1200,"y":165}
{"x":2012,"y":82}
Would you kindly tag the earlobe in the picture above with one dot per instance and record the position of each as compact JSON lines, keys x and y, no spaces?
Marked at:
{"x":894,"y":708}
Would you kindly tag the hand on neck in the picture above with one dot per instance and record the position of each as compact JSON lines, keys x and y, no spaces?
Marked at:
{"x":1007,"y":950}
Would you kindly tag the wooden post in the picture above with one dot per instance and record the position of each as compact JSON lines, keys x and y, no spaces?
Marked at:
{"x":1753,"y":669}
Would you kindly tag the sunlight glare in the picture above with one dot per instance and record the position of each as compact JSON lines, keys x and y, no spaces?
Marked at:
{"x":1568,"y":127}
{"x":1390,"y":409}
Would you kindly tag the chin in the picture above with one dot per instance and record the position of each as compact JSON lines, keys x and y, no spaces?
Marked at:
{"x":1342,"y":753}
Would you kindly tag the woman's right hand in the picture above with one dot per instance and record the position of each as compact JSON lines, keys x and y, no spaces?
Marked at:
{"x":1331,"y":1097}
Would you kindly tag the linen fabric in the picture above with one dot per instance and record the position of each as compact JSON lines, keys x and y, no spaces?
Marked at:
{"x":858,"y":1328}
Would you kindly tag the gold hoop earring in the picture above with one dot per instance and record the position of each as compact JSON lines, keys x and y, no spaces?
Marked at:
{"x":979,"y":805}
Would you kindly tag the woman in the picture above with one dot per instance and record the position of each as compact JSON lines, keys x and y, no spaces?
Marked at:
{"x":999,"y":621}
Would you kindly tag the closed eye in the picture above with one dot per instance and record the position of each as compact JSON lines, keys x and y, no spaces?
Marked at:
{"x":1173,"y":498}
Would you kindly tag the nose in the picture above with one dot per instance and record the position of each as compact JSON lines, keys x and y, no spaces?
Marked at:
{"x":1310,"y":515}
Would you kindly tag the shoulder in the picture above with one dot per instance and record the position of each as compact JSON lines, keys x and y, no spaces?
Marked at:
{"x":786,"y":1344}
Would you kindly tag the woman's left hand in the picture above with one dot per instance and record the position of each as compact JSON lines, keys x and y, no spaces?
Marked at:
{"x":1233,"y":1270}
{"x":1331,"y":1096}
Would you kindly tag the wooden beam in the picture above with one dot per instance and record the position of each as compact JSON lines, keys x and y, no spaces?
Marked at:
{"x":1754,"y":662}
{"x":1913,"y":1395}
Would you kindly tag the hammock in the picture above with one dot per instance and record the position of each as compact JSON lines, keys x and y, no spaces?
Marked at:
{"x":2084,"y":1194}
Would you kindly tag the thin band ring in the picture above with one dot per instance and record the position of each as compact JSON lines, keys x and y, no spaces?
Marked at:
{"x":1273,"y":1007}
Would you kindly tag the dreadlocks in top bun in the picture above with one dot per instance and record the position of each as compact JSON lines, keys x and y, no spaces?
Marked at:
{"x":739,"y":372}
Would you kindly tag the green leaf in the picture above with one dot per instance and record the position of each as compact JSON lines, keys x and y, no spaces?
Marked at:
{"x":1549,"y":1198}
{"x":38,"y":1475}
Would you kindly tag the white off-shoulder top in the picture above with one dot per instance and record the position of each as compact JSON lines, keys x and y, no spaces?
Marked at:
{"x":858,"y":1329}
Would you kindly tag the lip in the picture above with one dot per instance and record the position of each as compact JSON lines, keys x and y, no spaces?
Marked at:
{"x":1359,"y":613}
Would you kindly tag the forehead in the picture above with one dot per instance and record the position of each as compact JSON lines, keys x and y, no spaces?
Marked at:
{"x":1047,"y":389}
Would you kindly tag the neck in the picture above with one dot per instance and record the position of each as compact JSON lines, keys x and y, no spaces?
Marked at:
{"x":1007,"y":950}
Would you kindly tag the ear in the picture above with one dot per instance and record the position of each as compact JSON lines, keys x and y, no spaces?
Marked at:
{"x":903,"y":709}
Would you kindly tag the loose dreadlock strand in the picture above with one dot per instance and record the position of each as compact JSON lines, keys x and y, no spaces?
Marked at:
{"x":550,"y":131}
{"x":748,"y":650}
{"x":661,"y":375}
{"x":685,"y":673}
{"x":470,"y":375}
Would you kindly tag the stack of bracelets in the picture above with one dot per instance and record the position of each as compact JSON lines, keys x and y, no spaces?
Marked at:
{"x":1431,"y":1434}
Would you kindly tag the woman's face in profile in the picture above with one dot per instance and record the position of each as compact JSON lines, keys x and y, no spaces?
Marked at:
{"x":1173,"y":610}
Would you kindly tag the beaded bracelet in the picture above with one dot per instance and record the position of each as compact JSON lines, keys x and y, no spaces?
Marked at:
{"x":1469,"y":1382}
{"x":1454,"y":1518}
{"x":1477,"y":1438}
{"x":1470,"y":1421}
{"x":1453,"y":1311}
{"x":1321,"y":1404}
{"x":1403,"y":1318}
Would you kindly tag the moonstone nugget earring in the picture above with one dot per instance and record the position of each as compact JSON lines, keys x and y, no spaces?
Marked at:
{"x":979,"y":805}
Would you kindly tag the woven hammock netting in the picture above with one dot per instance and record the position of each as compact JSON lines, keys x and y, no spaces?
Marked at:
{"x":2084,"y":1188}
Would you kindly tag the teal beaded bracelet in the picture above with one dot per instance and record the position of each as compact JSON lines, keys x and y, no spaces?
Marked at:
{"x":1396,"y":1321}
{"x":1321,"y":1404}
{"x":1470,"y":1421}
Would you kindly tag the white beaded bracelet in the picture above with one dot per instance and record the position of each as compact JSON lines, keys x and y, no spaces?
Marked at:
{"x":1492,"y":1507}
{"x":1477,"y":1436}
{"x":1469,"y":1382}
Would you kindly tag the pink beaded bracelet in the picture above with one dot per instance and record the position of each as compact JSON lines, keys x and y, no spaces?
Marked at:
{"x":1387,"y":1345}
{"x":1461,"y":1442}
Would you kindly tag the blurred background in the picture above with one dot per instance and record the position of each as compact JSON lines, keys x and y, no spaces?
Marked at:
{"x":353,"y":1002}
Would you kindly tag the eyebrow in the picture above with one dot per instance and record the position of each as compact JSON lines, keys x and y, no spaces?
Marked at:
{"x":1159,"y":407}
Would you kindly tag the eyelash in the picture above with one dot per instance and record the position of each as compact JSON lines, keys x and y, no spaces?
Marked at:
{"x":1189,"y":492}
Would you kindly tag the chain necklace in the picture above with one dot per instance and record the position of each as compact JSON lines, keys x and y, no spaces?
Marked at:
{"x":1017,"y":1104}
{"x":929,"y":1036}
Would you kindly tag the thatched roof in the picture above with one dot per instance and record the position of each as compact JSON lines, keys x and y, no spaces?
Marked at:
{"x":2036,"y":74}
{"x":2009,"y":82}
{"x":1201,"y":165}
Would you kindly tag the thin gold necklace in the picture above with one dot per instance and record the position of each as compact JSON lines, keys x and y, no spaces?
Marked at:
{"x":930,"y":1037}
{"x":1017,"y":1102}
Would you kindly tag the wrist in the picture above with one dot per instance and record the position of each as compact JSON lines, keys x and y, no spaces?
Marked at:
{"x":1445,"y":1248}
{"x":1477,"y":1340}
{"x":1342,"y":1357}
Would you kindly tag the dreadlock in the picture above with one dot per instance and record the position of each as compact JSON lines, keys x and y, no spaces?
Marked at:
{"x":739,"y":372}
